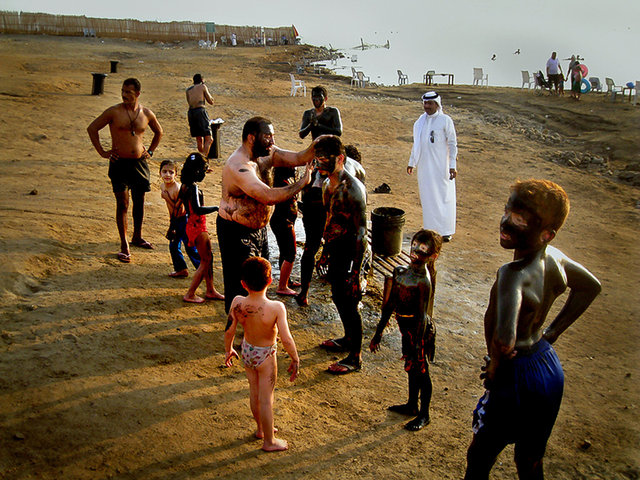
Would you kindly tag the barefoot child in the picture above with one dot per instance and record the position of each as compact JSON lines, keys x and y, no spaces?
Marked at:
{"x":410,"y":293}
{"x":524,"y":379}
{"x":262,"y":320}
{"x":194,"y":170}
{"x":177,"y":232}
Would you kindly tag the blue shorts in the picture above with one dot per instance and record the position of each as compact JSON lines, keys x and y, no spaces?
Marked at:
{"x":523,"y":401}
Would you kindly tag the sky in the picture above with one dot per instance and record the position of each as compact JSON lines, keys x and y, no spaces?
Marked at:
{"x":452,"y":36}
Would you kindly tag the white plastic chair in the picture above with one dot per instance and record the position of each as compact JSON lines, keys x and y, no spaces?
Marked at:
{"x":354,"y":77}
{"x":363,"y":80}
{"x":479,"y":77}
{"x":527,"y":79}
{"x":297,"y":85}
{"x":612,"y":88}
{"x":596,"y":86}
{"x":635,"y":98}
{"x":403,"y":79}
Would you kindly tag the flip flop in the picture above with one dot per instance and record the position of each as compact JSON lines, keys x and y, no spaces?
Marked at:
{"x":333,"y":345}
{"x":142,"y":244}
{"x":124,"y":257}
{"x":346,"y":368}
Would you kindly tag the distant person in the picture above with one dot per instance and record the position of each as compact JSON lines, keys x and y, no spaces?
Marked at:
{"x":248,"y":198}
{"x":345,"y":237}
{"x":197,"y":95}
{"x":434,"y":153}
{"x":321,"y":119}
{"x":128,"y":168}
{"x":177,"y":232}
{"x":193,"y":171}
{"x":576,"y":81}
{"x":234,"y":40}
{"x":410,"y":293}
{"x":262,"y":320}
{"x":554,"y":73}
{"x":524,"y":379}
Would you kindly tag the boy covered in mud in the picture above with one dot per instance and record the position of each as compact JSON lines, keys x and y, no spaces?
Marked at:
{"x":262,"y":320}
{"x":524,"y":380}
{"x":410,"y":293}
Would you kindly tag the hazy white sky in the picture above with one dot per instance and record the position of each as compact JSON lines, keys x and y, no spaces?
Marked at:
{"x":444,"y":34}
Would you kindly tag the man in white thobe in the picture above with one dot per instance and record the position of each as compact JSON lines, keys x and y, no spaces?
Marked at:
{"x":434,"y":153}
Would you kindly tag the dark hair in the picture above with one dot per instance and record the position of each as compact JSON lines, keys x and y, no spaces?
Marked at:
{"x":431,"y":238}
{"x":329,"y":147}
{"x":197,"y":78}
{"x":547,"y":200}
{"x":194,"y":166}
{"x":168,"y":162}
{"x":255,"y":273}
{"x":353,"y":152}
{"x":253,"y":126}
{"x":319,"y":89}
{"x":134,"y":82}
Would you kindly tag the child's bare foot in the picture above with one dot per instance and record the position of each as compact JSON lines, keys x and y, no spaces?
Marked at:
{"x":260,"y":434}
{"x":194,"y":299}
{"x":179,"y":273}
{"x":277,"y":445}
{"x":215,"y":295}
{"x":286,"y":291}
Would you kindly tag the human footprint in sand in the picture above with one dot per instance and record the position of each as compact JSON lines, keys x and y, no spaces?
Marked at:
{"x":262,"y":319}
{"x":194,"y":170}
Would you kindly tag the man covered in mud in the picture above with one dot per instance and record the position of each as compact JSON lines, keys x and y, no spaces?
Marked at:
{"x":410,"y":294}
{"x":345,"y":237}
{"x":524,"y":380}
{"x":248,"y":198}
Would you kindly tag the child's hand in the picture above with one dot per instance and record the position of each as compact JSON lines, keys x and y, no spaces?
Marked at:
{"x":294,"y":369}
{"x":228,"y":361}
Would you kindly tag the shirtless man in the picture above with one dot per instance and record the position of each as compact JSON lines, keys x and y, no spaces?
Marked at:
{"x":524,"y":379}
{"x":197,"y":95}
{"x":345,"y":236}
{"x":248,"y":198}
{"x":128,"y":169}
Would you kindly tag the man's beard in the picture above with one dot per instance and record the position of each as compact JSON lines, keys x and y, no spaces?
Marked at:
{"x":259,"y":150}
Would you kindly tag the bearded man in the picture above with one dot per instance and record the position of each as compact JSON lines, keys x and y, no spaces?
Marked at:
{"x":248,"y":198}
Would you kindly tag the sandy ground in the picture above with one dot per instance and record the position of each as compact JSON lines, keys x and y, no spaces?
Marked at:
{"x":106,"y":373}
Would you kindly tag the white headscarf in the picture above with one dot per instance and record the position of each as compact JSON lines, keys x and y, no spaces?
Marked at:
{"x":433,"y":96}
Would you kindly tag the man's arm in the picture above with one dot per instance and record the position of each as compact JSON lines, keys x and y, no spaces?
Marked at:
{"x":585,"y":287}
{"x":287,"y":158}
{"x":452,"y":144}
{"x":307,"y":123}
{"x":287,"y":340}
{"x":247,"y":180}
{"x":94,"y":131}
{"x":155,"y":127}
{"x":207,"y":95}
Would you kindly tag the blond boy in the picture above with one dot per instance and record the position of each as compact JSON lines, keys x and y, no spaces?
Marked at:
{"x":262,"y":319}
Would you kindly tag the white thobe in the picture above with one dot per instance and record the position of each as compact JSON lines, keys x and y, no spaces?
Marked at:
{"x":433,"y":161}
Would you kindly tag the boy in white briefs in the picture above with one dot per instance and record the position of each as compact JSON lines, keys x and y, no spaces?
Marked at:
{"x":262,"y":320}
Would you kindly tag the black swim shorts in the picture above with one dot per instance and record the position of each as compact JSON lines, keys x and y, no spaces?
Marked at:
{"x":129,"y":174}
{"x":199,"y":122}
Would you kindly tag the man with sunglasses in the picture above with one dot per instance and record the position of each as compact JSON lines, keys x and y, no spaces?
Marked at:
{"x":434,"y":153}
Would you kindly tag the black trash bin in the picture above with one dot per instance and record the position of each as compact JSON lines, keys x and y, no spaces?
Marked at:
{"x":386,"y":231}
{"x":98,"y":83}
{"x":214,"y":150}
{"x":114,"y":66}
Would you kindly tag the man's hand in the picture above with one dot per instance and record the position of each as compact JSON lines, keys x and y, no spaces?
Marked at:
{"x":228,"y":361}
{"x":374,"y":346}
{"x":110,"y":154}
{"x":353,"y":283}
{"x":322,"y":265}
{"x":308,"y":170}
{"x":410,"y":170}
{"x":453,"y":173}
{"x":294,"y":369}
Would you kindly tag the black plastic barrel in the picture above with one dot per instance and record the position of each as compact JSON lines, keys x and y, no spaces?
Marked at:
{"x":114,"y":66}
{"x":98,"y":83}
{"x":214,"y":150}
{"x":386,"y":231}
